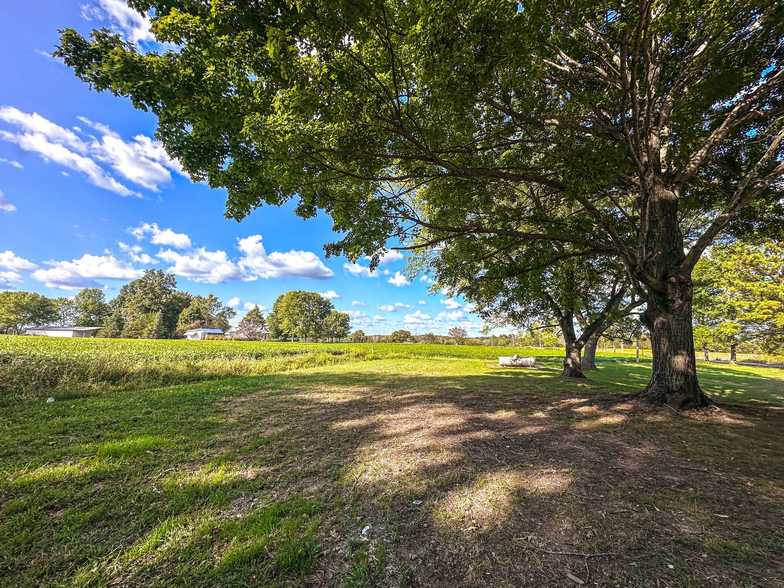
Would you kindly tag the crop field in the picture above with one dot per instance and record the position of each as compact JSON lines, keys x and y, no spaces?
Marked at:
{"x":232,"y":464}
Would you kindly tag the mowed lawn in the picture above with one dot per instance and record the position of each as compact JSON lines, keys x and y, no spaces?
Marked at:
{"x":396,"y":472}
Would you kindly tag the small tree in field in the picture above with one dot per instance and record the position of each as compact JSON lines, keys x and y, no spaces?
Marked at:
{"x":399,"y":336}
{"x":358,"y":337}
{"x":253,"y":326}
{"x":458,"y":334}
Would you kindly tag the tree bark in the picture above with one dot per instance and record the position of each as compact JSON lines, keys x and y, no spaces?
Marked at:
{"x":572,"y":362}
{"x":669,"y":312}
{"x":589,"y":351}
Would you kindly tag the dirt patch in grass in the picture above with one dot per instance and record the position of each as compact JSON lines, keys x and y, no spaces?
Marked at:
{"x":485,"y":486}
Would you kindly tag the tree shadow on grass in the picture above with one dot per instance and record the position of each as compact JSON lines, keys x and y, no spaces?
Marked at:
{"x":432,"y":479}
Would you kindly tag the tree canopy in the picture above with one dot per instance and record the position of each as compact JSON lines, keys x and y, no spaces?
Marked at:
{"x":299,"y":314}
{"x":639,"y":130}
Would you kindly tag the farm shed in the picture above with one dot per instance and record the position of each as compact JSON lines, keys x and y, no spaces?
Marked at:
{"x":49,"y":331}
{"x":201,"y":334}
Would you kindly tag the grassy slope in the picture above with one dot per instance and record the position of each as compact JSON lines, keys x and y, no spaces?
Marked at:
{"x":271,"y":480}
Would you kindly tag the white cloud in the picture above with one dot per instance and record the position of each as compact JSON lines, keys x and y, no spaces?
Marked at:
{"x":330,"y":294}
{"x":399,"y":280}
{"x":200,"y":265}
{"x":234,"y":302}
{"x":391,"y":256}
{"x":133,"y":26}
{"x":427,"y":280}
{"x":161,"y":236}
{"x":250,"y":306}
{"x":9,"y":260}
{"x":401,"y":305}
{"x":470,"y":307}
{"x":143,"y":160}
{"x":11,"y":162}
{"x":387,"y":308}
{"x":358,"y":303}
{"x":362,"y":271}
{"x":5,"y":205}
{"x":7,"y":277}
{"x":355,"y":314}
{"x":451,"y":304}
{"x":416,"y":318}
{"x":422,"y":302}
{"x":136,"y":255}
{"x":379,"y":318}
{"x":83,"y":273}
{"x":451,"y":316}
{"x":300,"y":264}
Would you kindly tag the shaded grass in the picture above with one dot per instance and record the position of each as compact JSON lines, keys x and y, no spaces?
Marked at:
{"x":272,"y":480}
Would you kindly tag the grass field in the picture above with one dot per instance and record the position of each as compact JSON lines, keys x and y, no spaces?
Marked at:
{"x":401,"y":466}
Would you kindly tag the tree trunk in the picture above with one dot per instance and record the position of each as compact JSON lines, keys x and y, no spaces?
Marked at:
{"x":572,"y":362}
{"x":705,"y":351}
{"x":589,"y":351}
{"x":669,"y":312}
{"x":733,"y":354}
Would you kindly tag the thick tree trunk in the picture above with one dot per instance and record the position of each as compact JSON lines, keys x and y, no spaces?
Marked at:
{"x":669,"y":312}
{"x":572,"y":362}
{"x":589,"y":351}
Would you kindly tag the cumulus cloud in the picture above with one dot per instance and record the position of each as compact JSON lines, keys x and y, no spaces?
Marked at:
{"x":387,"y":257}
{"x":427,"y":280}
{"x":83,"y":273}
{"x":378,"y":318}
{"x":12,"y":163}
{"x":299,"y":264}
{"x":357,"y":303}
{"x":234,"y":302}
{"x":363,"y":271}
{"x":142,"y":161}
{"x":387,"y":308}
{"x":401,"y":305}
{"x":251,"y":305}
{"x":470,"y":307}
{"x":9,"y":260}
{"x":399,"y":280}
{"x":451,"y":304}
{"x":451,"y":316}
{"x":422,"y":302}
{"x":161,"y":236}
{"x":135,"y":252}
{"x":134,"y":27}
{"x":355,"y":314}
{"x":330,"y":294}
{"x":416,"y":318}
{"x":6,"y":279}
{"x":200,"y":265}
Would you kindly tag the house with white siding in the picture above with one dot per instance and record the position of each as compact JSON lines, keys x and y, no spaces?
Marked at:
{"x":50,"y":331}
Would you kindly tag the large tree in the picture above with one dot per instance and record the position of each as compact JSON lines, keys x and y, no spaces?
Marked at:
{"x":299,"y":314}
{"x":253,"y":326}
{"x":658,"y":125}
{"x":19,"y":310}
{"x":149,"y":307}
{"x":92,"y":306}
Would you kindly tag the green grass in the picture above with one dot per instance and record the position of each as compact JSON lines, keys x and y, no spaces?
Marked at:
{"x":270,"y":480}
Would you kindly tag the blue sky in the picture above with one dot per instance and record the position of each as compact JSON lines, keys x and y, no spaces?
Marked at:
{"x":88,"y":198}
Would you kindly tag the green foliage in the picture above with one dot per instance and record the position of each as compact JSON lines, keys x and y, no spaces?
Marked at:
{"x":67,"y":310}
{"x":739,"y":296}
{"x":358,"y":336}
{"x":336,"y":325}
{"x":93,"y":310}
{"x":253,"y":326}
{"x":399,"y":336}
{"x":299,"y":314}
{"x":26,"y":309}
{"x":459,"y":334}
{"x":205,"y":312}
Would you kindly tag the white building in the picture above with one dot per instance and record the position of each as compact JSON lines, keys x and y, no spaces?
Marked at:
{"x":49,"y":331}
{"x":201,"y":334}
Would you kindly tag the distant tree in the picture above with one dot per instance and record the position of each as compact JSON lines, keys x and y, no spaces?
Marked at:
{"x":739,"y":296}
{"x":19,"y":310}
{"x":299,"y":314}
{"x":358,"y":337}
{"x":68,"y":312}
{"x":205,"y":312}
{"x":93,"y":310}
{"x":253,"y":326}
{"x":399,"y":336}
{"x":428,"y":338}
{"x":336,"y":325}
{"x":113,"y":326}
{"x":154,"y":294}
{"x":458,"y":334}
